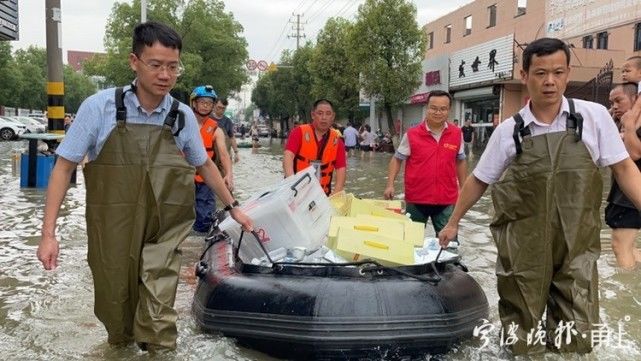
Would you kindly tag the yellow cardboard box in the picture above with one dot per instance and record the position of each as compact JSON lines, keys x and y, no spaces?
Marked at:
{"x":412,"y":232}
{"x":376,"y":225}
{"x":356,"y":246}
{"x":394,"y":205}
{"x":359,"y":206}
{"x":340,"y":201}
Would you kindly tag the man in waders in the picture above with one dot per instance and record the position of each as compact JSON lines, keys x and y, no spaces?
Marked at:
{"x":318,"y":145}
{"x":202,"y":101}
{"x":543,"y":165}
{"x":143,"y":146}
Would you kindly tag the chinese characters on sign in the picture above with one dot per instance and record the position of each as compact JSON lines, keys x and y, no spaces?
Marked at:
{"x":488,"y":61}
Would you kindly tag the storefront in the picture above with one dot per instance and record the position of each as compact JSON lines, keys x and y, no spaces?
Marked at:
{"x":476,"y":83}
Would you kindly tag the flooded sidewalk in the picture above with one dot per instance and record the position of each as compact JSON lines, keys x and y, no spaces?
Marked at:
{"x":49,"y":315}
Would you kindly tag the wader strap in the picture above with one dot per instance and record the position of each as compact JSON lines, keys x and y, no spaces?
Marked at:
{"x":575,"y":121}
{"x":173,"y":115}
{"x":520,"y":131}
{"x":121,"y":110}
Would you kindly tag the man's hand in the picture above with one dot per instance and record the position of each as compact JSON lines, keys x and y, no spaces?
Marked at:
{"x":389,"y":192}
{"x":447,"y":234}
{"x":236,"y":157}
{"x":48,"y":252}
{"x":240,"y":217}
{"x":229,"y":182}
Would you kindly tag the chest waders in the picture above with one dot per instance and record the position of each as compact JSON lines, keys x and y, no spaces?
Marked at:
{"x":546,"y":230}
{"x":140,"y":207}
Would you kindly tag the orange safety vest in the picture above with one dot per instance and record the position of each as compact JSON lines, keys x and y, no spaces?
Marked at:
{"x":309,"y":152}
{"x":207,"y":133}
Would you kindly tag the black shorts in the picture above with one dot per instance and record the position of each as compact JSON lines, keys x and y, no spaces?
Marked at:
{"x":622,"y":217}
{"x":366,"y":148}
{"x":348,"y":148}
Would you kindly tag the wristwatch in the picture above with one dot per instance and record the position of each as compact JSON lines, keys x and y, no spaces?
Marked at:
{"x":230,"y":206}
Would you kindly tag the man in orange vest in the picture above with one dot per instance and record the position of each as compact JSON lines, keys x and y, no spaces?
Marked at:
{"x":202,"y":101}
{"x":318,"y":145}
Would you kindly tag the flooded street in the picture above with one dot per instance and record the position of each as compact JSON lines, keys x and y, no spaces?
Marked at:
{"x":49,"y":315}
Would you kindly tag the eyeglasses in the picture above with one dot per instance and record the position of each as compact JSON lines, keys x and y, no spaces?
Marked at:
{"x":438,"y":110}
{"x":157,"y":67}
{"x":205,"y":102}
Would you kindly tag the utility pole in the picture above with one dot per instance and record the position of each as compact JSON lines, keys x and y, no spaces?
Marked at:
{"x":297,"y":28}
{"x":55,"y":82}
{"x":143,"y":11}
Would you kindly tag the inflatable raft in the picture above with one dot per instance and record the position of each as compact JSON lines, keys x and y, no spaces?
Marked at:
{"x":335,"y":311}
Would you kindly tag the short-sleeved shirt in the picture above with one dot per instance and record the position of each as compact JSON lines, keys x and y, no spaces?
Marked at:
{"x":226,"y":124}
{"x":295,"y":141}
{"x":403,"y":150}
{"x":96,"y":119}
{"x":351,"y":136}
{"x":600,"y":136}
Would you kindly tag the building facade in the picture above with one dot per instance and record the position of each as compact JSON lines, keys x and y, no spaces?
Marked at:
{"x":484,"y":41}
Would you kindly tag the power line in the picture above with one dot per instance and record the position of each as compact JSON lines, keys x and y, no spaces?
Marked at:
{"x":313,"y":18}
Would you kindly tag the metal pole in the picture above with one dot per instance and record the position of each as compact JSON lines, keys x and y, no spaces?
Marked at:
{"x":372,"y":112}
{"x":143,"y":11}
{"x":55,"y":82}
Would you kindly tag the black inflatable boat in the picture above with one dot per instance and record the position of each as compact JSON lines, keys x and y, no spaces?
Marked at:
{"x":304,"y":311}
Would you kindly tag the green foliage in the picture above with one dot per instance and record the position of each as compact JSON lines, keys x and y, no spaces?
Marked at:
{"x":31,"y":89}
{"x":214,"y":52}
{"x":302,"y":81}
{"x":24,"y":80}
{"x":334,"y":70}
{"x":77,"y":88}
{"x":9,"y":76}
{"x":389,"y":46}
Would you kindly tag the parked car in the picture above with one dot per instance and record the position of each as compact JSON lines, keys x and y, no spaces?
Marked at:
{"x":10,"y":129}
{"x":263,"y":130}
{"x":33,"y":126}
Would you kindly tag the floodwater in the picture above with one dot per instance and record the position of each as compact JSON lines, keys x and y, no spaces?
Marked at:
{"x":49,"y":315}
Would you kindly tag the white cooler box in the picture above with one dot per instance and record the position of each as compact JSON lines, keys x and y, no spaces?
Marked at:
{"x":293,"y":213}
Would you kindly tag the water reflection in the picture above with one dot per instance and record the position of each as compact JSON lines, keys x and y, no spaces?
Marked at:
{"x":49,"y":315}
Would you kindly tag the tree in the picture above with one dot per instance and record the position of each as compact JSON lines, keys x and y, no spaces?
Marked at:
{"x":31,"y":65}
{"x":213,"y":50}
{"x":77,"y":88}
{"x":9,"y":77}
{"x":334,"y":70}
{"x":390,"y":47}
{"x":302,"y":81}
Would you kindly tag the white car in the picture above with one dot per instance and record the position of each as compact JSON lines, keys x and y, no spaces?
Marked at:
{"x":263,"y":130}
{"x":10,"y":129}
{"x":33,"y":126}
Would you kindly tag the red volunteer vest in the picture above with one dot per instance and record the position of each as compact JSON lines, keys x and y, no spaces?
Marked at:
{"x":430,"y":170}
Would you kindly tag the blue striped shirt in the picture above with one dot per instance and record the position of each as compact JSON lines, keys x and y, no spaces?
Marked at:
{"x":96,"y":119}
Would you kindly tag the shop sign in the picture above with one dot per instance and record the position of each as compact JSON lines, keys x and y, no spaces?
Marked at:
{"x":571,"y":18}
{"x":488,"y":61}
{"x":433,"y":78}
{"x":8,"y":20}
{"x":419,"y":98}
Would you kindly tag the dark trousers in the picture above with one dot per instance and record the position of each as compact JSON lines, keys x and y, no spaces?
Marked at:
{"x":205,"y":207}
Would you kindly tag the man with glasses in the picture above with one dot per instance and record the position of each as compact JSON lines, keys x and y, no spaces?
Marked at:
{"x":227,"y":125}
{"x":142,"y":146}
{"x":202,"y":101}
{"x":435,"y":164}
